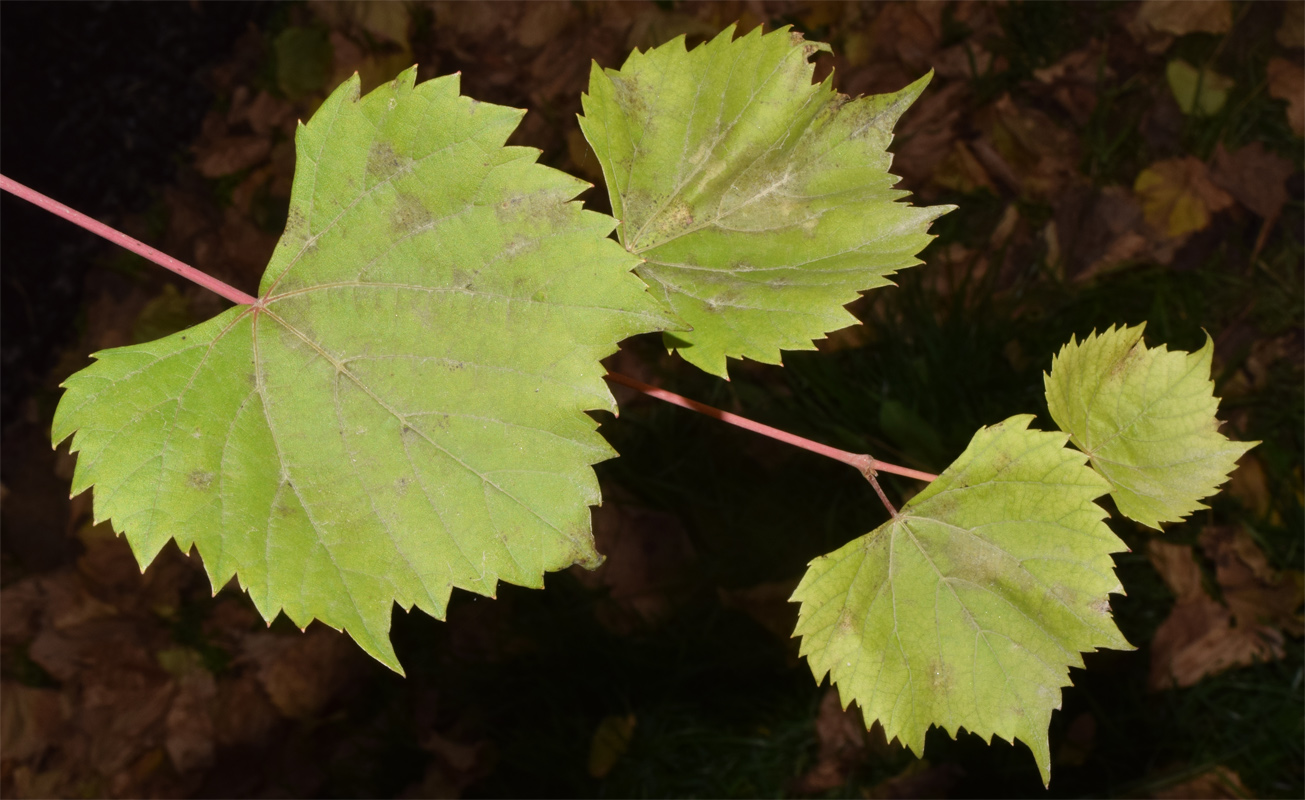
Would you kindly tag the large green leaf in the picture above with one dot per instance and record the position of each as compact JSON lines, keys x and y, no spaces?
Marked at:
{"x":969,"y":607}
{"x":759,"y":203}
{"x":1145,"y":418}
{"x":402,"y":411}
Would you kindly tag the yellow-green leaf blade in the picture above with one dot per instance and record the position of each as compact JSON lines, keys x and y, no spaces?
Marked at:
{"x":403,"y":411}
{"x":760,"y":203}
{"x":968,"y":609}
{"x":1146,"y":419}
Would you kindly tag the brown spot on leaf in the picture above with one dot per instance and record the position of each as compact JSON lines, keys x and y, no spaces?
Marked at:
{"x":1137,"y":351}
{"x":846,"y":622}
{"x":383,"y":162}
{"x":296,"y":225}
{"x":199,"y":479}
{"x":409,"y":215}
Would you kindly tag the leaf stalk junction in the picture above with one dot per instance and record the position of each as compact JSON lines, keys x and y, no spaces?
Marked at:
{"x":868,"y":466}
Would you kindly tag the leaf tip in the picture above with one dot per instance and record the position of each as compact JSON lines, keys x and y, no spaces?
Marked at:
{"x":915,"y":88}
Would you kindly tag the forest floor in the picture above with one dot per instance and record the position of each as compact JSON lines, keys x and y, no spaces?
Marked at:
{"x":1110,"y":164}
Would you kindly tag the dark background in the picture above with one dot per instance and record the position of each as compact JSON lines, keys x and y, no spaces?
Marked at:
{"x":672,"y":661}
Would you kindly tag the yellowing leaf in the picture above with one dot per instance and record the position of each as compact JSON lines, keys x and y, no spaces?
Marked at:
{"x":1198,"y":92}
{"x":1178,"y":197}
{"x":1145,"y":418}
{"x":403,"y":409}
{"x":760,"y":204}
{"x":968,"y":608}
{"x":611,"y":740}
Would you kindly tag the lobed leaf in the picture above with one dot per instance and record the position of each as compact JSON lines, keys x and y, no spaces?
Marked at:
{"x":760,"y":204}
{"x":968,"y":608}
{"x":402,"y":411}
{"x":1145,"y":418}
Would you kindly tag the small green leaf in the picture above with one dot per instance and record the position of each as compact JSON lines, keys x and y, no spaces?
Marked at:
{"x":1145,"y":418}
{"x":760,"y":203}
{"x":968,"y":608}
{"x":403,"y":411}
{"x":1198,"y":92}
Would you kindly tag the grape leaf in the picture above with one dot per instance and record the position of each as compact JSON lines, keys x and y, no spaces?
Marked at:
{"x":1145,"y":418}
{"x":760,"y":203}
{"x":402,"y":411}
{"x":968,"y":608}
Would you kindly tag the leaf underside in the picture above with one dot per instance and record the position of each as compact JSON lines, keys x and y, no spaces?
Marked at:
{"x":403,"y":410}
{"x":759,"y":203}
{"x":967,"y":610}
{"x":1146,"y":419}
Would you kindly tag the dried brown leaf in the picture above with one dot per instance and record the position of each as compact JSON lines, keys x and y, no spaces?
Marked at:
{"x":1219,"y":783}
{"x":190,"y":730}
{"x":30,"y":720}
{"x":1177,"y":567}
{"x":1024,"y":149}
{"x":1181,"y":17}
{"x":1202,"y":636}
{"x":647,"y":553}
{"x":1291,"y":33}
{"x":374,"y":67}
{"x":1198,"y":639}
{"x":1258,"y":595}
{"x":1250,"y":485}
{"x":262,"y":112}
{"x":123,"y":703}
{"x":383,"y":21}
{"x":456,"y":766}
{"x":302,"y":673}
{"x":841,"y":734}
{"x":1096,"y":229}
{"x":654,"y":27}
{"x":961,"y":171}
{"x":926,"y":133}
{"x":216,"y":158}
{"x":541,"y":23}
{"x":1254,"y":177}
{"x":1074,"y":80}
{"x":768,"y":604}
{"x":244,"y":715}
{"x":1080,"y":738}
{"x":963,"y":61}
{"x":920,"y":779}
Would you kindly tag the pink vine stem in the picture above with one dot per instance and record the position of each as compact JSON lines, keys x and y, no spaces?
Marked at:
{"x":866,"y":465}
{"x":139,"y":248}
{"x":863,"y":463}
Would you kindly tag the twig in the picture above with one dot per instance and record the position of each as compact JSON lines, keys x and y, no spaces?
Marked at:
{"x":864,"y":464}
{"x":139,"y":248}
